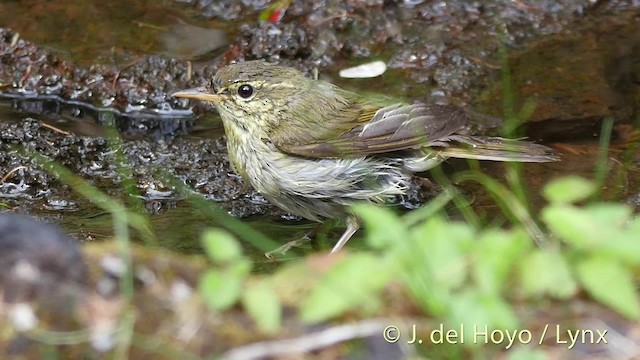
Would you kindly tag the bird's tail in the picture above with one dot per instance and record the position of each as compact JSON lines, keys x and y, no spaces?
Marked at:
{"x":495,"y":149}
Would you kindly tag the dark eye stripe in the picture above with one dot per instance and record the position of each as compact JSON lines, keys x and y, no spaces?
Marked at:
{"x":216,"y":84}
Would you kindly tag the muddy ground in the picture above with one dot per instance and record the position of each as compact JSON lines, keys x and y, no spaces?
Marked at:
{"x":578,"y":60}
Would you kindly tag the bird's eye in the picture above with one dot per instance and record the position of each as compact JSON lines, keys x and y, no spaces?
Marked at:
{"x":245,"y":91}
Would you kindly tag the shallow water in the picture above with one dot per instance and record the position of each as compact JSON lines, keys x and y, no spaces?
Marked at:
{"x":89,"y":32}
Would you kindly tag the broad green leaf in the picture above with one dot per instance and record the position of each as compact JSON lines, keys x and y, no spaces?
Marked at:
{"x":220,"y":245}
{"x":262,"y":303}
{"x":601,"y":227}
{"x":494,"y":256}
{"x":419,"y":280}
{"x":241,"y":267}
{"x":568,"y":189}
{"x":434,"y":262}
{"x":479,"y":312}
{"x":351,"y":283}
{"x":634,"y":225}
{"x":442,"y":247}
{"x":624,"y":245}
{"x":464,"y":309}
{"x":500,"y":312}
{"x":574,"y":225}
{"x":611,"y":215}
{"x":611,"y":283}
{"x":383,"y":227}
{"x":220,"y":290}
{"x":547,"y":272}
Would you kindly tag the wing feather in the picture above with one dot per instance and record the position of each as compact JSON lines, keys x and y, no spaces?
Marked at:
{"x":384,"y":129}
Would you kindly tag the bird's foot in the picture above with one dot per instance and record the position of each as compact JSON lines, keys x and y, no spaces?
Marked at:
{"x":288,"y":246}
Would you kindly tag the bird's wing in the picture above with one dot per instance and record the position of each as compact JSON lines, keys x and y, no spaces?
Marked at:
{"x":374,"y":130}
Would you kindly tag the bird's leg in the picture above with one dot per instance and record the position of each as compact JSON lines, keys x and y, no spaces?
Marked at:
{"x":308,"y":236}
{"x":352,"y":226}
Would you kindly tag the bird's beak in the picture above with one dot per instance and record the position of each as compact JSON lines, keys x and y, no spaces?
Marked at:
{"x":198,"y":94}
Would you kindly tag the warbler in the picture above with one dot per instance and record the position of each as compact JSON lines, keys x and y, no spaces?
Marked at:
{"x":313,"y":149}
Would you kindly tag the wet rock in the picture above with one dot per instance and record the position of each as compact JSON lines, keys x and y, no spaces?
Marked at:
{"x":36,"y":259}
{"x":29,"y":70}
{"x":201,"y":164}
{"x":43,"y":283}
{"x":271,"y":41}
{"x":186,"y":41}
{"x":578,"y":77}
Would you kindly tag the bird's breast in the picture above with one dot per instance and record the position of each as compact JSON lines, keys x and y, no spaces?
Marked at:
{"x":253,"y":159}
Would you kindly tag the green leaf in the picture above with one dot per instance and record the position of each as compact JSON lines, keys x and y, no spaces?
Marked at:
{"x":500,"y":311}
{"x":220,"y":290}
{"x":494,"y":256}
{"x":220,"y":245}
{"x":611,"y":215}
{"x":479,"y":311}
{"x":634,"y":225}
{"x":624,"y":244}
{"x":262,"y":303}
{"x":434,"y":262}
{"x":574,"y":225}
{"x":594,"y":227}
{"x":384,"y":228}
{"x":241,"y":267}
{"x":442,"y":247}
{"x":547,"y":272}
{"x":568,"y":189}
{"x":351,"y":283}
{"x":610,"y":283}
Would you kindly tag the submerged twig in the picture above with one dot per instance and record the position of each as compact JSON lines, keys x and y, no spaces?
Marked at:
{"x":51,"y":127}
{"x":11,"y":172}
{"x":308,"y":342}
